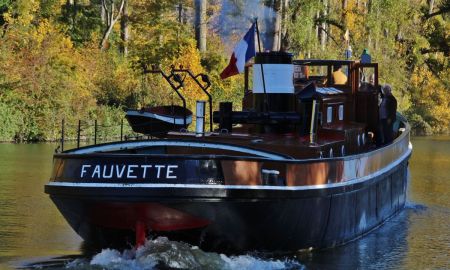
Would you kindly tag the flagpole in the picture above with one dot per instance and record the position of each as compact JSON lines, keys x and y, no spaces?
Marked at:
{"x":266,"y":107}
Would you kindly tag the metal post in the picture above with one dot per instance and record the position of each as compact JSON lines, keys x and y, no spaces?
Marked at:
{"x":78,"y":133}
{"x":266,"y":104}
{"x":95,"y":132}
{"x":121,"y":129}
{"x":246,"y":79}
{"x":62,"y":135}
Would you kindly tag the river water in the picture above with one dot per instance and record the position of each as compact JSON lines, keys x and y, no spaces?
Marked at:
{"x":33,"y":235}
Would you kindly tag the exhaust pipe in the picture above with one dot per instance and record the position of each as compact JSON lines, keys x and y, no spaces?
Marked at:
{"x":200,"y":118}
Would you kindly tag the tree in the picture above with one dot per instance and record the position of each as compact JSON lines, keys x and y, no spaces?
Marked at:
{"x":277,"y":7}
{"x":112,"y":16}
{"x":443,"y":8}
{"x":124,"y":31}
{"x":284,"y":42}
{"x":200,"y":24}
{"x":80,"y":18}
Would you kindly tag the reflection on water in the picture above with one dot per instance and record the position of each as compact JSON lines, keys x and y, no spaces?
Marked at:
{"x":30,"y":225}
{"x":33,"y":234}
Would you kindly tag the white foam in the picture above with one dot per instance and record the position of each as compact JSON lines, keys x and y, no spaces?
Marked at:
{"x":162,"y":252}
{"x":249,"y":262}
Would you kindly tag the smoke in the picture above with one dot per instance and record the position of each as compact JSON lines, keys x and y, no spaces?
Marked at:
{"x":237,"y":16}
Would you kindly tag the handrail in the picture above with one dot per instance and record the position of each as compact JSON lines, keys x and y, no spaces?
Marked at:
{"x":82,"y":126}
{"x":204,"y":88}
{"x":175,"y":88}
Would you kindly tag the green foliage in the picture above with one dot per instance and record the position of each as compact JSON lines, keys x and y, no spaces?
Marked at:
{"x":158,"y":36}
{"x":418,"y":125}
{"x":4,"y":7}
{"x":81,"y":21}
{"x":109,"y":120}
{"x":11,"y":118}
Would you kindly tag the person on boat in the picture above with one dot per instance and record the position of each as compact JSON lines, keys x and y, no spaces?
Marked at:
{"x":388,"y":111}
{"x":338,"y":76}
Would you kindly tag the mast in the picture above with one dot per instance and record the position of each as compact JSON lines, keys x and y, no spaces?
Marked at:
{"x":266,"y":104}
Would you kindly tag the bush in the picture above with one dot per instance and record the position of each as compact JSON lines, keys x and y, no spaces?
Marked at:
{"x":418,"y":125}
{"x":12,"y":122}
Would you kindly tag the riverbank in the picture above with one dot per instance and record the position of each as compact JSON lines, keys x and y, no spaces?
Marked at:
{"x":129,"y":134}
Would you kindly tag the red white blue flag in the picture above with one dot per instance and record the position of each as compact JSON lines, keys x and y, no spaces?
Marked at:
{"x":243,"y":52}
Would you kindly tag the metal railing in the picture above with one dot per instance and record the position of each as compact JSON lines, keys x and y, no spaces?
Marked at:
{"x":92,"y":130}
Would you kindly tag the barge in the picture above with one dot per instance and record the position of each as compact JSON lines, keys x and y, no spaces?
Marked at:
{"x":298,"y":167}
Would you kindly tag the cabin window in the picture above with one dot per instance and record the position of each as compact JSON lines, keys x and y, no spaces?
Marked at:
{"x":340,"y":75}
{"x":300,"y":72}
{"x":341,"y":112}
{"x":329,"y":114}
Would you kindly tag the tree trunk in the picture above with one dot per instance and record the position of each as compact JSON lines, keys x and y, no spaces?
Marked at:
{"x":73,"y":14}
{"x":344,"y":13}
{"x":344,"y":4}
{"x":200,"y":24}
{"x":368,"y":10}
{"x":180,"y":12}
{"x":103,"y":14}
{"x":105,"y":37}
{"x":111,"y":20}
{"x":430,"y":6}
{"x":284,"y":33}
{"x":318,"y":26}
{"x":329,"y":28}
{"x":267,"y":25}
{"x":124,"y":31}
{"x":185,"y":15}
{"x":277,"y":26}
{"x":323,"y":26}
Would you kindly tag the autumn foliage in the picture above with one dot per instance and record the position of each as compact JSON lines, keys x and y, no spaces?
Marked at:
{"x":52,"y":67}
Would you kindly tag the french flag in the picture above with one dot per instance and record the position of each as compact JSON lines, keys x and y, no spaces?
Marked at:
{"x":243,"y":52}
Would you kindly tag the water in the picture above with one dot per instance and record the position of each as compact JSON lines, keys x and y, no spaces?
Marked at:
{"x":33,"y":235}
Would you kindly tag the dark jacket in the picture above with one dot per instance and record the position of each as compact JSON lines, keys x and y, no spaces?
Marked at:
{"x":388,"y":107}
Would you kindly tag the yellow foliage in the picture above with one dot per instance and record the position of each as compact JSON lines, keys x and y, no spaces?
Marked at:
{"x":190,"y":59}
{"x":27,"y":9}
{"x":354,"y":19}
{"x":432,"y":97}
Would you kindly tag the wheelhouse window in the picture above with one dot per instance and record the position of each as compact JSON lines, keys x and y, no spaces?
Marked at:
{"x":341,"y":112}
{"x":329,"y":114}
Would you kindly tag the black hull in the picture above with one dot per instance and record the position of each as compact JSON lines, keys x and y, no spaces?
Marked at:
{"x":238,"y":220}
